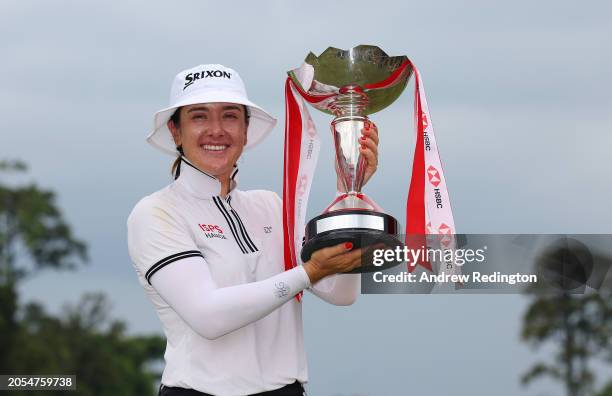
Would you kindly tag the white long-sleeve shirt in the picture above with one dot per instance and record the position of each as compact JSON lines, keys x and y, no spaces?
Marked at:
{"x":213,"y":268}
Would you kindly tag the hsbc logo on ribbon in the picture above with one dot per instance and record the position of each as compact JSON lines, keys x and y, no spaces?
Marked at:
{"x":434,"y":178}
{"x":445,"y":233}
{"x":425,"y":123}
{"x":310,"y":127}
{"x":192,"y":77}
{"x":433,"y":175}
{"x":309,"y":149}
{"x":312,"y":132}
{"x":301,"y":185}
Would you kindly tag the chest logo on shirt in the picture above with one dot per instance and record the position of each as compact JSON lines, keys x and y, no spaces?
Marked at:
{"x":212,"y":231}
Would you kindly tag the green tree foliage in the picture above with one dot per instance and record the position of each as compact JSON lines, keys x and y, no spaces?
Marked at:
{"x":32,"y":229}
{"x":580,"y":325}
{"x":606,"y":391}
{"x":32,"y":225}
{"x":83,"y":340}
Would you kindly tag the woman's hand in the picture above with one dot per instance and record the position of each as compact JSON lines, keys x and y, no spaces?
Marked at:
{"x":332,"y":260}
{"x":369,"y":151}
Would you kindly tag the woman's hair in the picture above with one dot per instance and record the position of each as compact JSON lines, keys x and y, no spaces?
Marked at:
{"x":176,"y":120}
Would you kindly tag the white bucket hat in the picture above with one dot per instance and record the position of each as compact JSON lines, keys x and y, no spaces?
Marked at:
{"x":207,"y":84}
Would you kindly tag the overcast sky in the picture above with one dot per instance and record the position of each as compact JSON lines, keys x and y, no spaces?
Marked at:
{"x":519,"y":93}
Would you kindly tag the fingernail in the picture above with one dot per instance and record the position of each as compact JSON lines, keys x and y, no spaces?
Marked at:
{"x":362,"y":138}
{"x":363,"y":146}
{"x":348,"y":245}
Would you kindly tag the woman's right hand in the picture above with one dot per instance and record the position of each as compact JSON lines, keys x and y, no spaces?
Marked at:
{"x":332,"y":260}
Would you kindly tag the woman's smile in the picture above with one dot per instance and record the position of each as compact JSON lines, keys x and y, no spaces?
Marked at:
{"x":215,"y":147}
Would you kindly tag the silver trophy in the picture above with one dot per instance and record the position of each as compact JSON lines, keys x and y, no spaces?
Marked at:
{"x":355,"y":83}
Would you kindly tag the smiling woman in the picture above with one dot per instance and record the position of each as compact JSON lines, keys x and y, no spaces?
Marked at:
{"x":208,"y":123}
{"x":210,"y":258}
{"x":212,"y":136}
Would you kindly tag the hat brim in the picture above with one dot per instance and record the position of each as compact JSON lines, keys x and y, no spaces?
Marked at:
{"x":261,"y":122}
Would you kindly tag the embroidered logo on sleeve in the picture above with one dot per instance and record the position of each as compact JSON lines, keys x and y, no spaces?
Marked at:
{"x":282,"y":289}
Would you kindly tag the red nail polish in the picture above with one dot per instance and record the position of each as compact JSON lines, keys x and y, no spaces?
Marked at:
{"x":348,"y":245}
{"x":363,"y":146}
{"x":362,"y":138}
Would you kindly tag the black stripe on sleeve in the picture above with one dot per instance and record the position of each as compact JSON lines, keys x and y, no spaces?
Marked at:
{"x":170,"y":259}
{"x":230,"y":222}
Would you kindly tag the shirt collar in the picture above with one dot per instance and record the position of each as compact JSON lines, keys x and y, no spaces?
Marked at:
{"x":200,"y":184}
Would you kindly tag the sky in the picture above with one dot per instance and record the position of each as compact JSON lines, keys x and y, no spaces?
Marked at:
{"x":520,"y":98}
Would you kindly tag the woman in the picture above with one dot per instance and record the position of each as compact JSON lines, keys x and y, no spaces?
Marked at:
{"x":209,"y":255}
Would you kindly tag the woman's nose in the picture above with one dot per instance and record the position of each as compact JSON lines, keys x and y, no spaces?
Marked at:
{"x":215,"y":127}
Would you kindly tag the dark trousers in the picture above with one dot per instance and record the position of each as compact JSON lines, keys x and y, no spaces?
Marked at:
{"x":295,"y":389}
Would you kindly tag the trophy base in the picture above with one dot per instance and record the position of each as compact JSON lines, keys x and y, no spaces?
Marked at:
{"x":361,"y":227}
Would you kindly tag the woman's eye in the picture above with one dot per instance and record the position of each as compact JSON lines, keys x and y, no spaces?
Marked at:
{"x":231,"y":116}
{"x":199,"y":117}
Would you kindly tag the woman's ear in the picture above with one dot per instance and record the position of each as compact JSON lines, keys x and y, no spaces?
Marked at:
{"x":176,"y":133}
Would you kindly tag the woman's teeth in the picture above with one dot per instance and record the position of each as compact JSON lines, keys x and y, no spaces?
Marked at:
{"x":214,"y":147}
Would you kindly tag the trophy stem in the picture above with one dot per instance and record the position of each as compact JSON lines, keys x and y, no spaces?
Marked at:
{"x":349,"y":106}
{"x":350,"y":163}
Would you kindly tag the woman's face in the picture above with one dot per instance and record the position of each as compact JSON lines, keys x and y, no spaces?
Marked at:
{"x":212,"y":136}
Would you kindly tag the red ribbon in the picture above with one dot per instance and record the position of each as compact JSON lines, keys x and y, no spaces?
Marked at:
{"x":415,"y":206}
{"x":293,"y":140}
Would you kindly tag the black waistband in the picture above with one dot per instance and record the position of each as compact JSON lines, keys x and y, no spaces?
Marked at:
{"x":294,"y":389}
